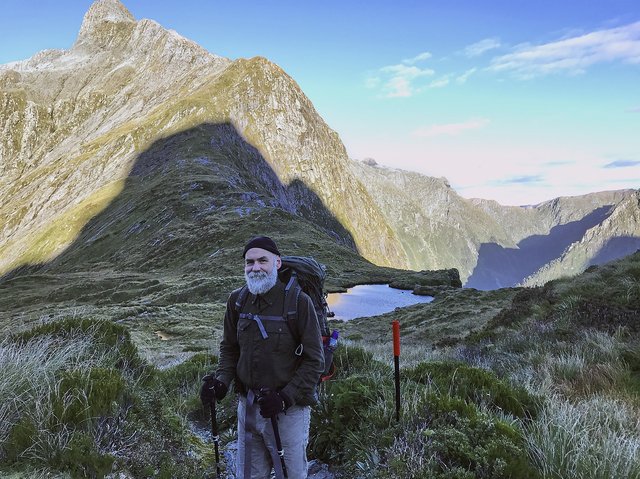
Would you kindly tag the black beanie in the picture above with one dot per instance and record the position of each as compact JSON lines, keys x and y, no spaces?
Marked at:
{"x":263,"y":242}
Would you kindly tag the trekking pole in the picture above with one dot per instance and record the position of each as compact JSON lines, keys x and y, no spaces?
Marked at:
{"x":276,"y":433}
{"x":216,"y":436}
{"x":396,"y":361}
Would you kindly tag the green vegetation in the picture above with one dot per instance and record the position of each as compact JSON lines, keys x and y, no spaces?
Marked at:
{"x":445,"y":429}
{"x":76,"y":398}
{"x":522,"y":382}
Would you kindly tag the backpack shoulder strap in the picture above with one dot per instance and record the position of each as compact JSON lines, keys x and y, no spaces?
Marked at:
{"x":290,"y":307}
{"x":241,"y":299}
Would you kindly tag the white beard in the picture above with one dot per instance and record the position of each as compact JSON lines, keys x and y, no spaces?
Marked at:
{"x":260,"y":282}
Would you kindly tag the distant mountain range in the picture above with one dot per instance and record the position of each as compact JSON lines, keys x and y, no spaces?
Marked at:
{"x":138,"y":147}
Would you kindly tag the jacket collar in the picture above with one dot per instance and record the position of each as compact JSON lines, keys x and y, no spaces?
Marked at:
{"x":268,"y":298}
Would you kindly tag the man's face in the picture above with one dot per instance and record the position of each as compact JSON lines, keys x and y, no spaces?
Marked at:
{"x":260,"y":260}
{"x":261,"y":270}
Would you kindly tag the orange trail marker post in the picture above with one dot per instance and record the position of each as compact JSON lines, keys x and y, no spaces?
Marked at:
{"x":396,"y":361}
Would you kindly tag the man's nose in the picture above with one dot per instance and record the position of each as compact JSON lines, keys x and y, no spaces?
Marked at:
{"x":255,"y":267}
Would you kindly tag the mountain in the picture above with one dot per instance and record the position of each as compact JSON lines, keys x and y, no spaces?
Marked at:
{"x":496,"y":246}
{"x":614,"y":237}
{"x":75,"y":122}
{"x":137,"y":150}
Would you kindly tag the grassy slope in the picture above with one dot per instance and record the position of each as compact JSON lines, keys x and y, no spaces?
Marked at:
{"x":573,"y":344}
{"x":541,"y":369}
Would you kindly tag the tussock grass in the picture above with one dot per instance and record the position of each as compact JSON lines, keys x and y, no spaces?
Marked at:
{"x":29,"y":374}
{"x":75,"y":399}
{"x":595,"y":438}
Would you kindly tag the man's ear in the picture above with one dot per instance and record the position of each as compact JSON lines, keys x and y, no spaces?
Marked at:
{"x":278,"y":262}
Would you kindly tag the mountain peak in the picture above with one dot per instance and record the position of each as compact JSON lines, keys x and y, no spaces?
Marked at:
{"x":101,"y":12}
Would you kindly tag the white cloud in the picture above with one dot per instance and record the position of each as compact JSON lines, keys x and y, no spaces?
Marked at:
{"x":465,"y":76}
{"x":409,"y":72}
{"x":372,"y":82}
{"x":398,"y":80}
{"x":440,"y":82}
{"x":575,"y":54}
{"x":511,"y":172}
{"x":398,"y":87}
{"x":418,"y":58}
{"x":622,"y":163}
{"x":478,"y":48}
{"x":450,"y":129}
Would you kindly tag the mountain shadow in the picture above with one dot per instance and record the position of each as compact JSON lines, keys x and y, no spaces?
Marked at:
{"x":500,"y":267}
{"x":188,"y":206}
{"x":616,"y":248}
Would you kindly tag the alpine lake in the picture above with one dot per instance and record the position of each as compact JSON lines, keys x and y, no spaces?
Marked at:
{"x":371,"y":300}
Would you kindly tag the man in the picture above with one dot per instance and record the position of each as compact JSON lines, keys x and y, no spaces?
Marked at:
{"x":275,"y":369}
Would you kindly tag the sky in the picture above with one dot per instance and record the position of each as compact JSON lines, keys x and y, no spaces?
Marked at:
{"x":515,"y":101}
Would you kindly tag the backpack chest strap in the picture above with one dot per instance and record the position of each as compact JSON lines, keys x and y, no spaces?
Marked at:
{"x":258,"y":318}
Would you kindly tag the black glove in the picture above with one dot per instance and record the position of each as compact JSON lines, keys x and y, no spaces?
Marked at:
{"x":211,"y":389}
{"x":272,"y":403}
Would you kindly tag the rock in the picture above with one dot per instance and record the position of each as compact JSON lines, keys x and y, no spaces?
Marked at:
{"x":317,"y":469}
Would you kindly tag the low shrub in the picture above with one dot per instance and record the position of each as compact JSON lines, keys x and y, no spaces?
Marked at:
{"x":521,"y":307}
{"x":187,"y":374}
{"x":441,"y":437}
{"x":82,"y":397}
{"x":353,"y":360}
{"x":21,"y":437}
{"x":343,"y":410}
{"x":81,"y":459}
{"x":476,"y":385}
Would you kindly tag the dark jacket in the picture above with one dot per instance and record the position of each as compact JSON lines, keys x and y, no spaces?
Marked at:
{"x":255,"y":362}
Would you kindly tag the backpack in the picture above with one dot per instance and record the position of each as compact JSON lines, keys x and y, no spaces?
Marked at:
{"x":300,"y":273}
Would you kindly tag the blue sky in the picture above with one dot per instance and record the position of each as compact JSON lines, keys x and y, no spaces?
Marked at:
{"x":515,"y":101}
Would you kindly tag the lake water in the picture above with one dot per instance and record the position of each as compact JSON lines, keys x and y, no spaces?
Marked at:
{"x":371,"y":300}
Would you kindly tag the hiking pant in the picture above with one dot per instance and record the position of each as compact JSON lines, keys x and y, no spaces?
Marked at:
{"x":257,"y":442}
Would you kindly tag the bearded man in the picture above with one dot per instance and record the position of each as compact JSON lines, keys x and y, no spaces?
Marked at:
{"x":274,"y":371}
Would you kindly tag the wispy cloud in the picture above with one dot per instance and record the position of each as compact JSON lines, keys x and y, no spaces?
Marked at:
{"x":478,"y":48}
{"x":522,"y":180}
{"x":634,"y":110}
{"x":400,"y":80}
{"x":465,"y":76}
{"x":575,"y":54}
{"x":417,"y":59}
{"x":450,"y":129}
{"x":558,"y":163}
{"x":440,"y":82}
{"x":622,"y":164}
